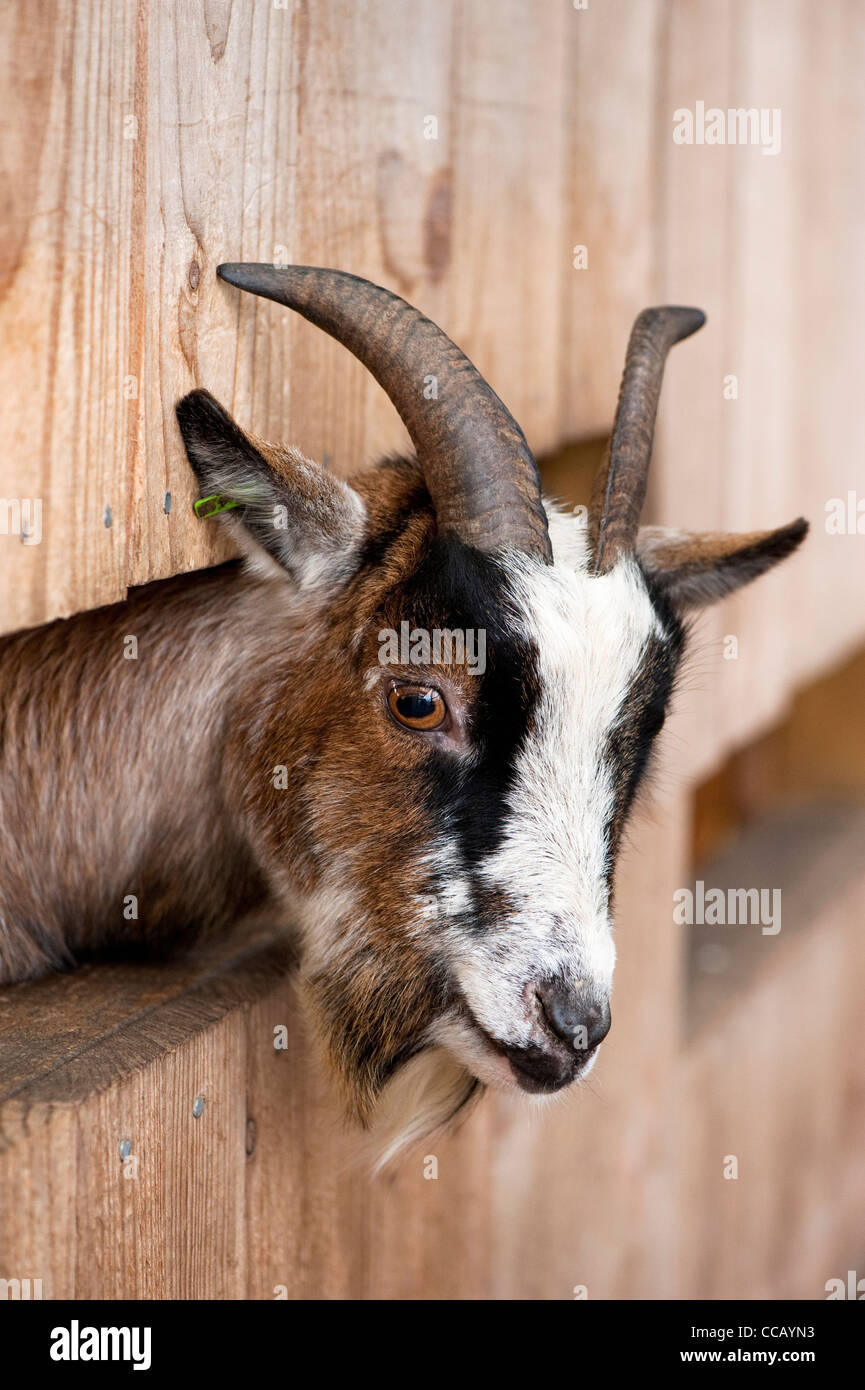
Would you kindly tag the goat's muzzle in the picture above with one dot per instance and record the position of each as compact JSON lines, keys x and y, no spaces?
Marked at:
{"x":574,"y":1022}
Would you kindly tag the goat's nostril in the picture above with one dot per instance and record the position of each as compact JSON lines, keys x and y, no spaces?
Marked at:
{"x":561,"y":1007}
{"x":577,"y":1018}
{"x":598,"y":1020}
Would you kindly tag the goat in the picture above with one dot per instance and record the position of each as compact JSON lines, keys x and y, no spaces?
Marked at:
{"x":442,"y":840}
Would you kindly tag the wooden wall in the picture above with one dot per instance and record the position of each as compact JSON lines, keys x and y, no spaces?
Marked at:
{"x":615,"y":1191}
{"x":263,"y":1188}
{"x":152,"y":140}
{"x":768,"y":246}
{"x":147,"y":141}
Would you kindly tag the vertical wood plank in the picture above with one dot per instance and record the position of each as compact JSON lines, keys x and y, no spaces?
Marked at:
{"x":317,"y":1226}
{"x":610,"y":193}
{"x":178,"y":136}
{"x":764,"y":244}
{"x":583,"y":1191}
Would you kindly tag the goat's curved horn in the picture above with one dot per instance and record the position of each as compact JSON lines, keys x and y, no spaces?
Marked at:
{"x":478,"y":468}
{"x":619,"y":489}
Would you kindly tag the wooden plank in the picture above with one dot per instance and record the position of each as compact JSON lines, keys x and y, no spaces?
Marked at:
{"x":693,"y":456}
{"x":38,"y":1220}
{"x":774,"y":1078}
{"x":172,"y":1226}
{"x":610,"y":190}
{"x":829,"y":330}
{"x":164,"y":1223}
{"x":584,"y":1192}
{"x":262,"y":1194}
{"x":317,"y":1227}
{"x":179,"y":136}
{"x":784,"y":298}
{"x":507,"y":144}
{"x":618,"y":1187}
{"x":64,"y":1038}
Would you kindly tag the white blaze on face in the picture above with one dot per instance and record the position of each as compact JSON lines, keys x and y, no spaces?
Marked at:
{"x":590,"y":633}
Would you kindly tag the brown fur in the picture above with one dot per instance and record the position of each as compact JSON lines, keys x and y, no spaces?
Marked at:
{"x":156,"y":777}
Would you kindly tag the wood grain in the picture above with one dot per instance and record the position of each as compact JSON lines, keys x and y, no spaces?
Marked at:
{"x":152,"y":141}
{"x":259,"y":1192}
{"x":145,"y":143}
{"x":763,"y":244}
{"x":179,"y":136}
{"x":764,"y":1081}
{"x":610,"y":191}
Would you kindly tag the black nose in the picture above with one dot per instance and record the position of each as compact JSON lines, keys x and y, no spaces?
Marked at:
{"x":573,"y":1014}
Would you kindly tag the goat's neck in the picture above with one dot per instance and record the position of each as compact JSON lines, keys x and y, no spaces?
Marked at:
{"x":116,"y":821}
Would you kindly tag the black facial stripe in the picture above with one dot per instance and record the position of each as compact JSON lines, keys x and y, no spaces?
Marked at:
{"x":459,"y":588}
{"x":642,"y":712}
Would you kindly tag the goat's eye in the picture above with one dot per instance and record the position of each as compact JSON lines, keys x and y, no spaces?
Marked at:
{"x":417,"y":706}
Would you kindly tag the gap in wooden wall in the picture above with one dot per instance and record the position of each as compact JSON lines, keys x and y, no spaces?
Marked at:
{"x":815,"y":755}
{"x":786,"y":814}
{"x":567,"y":474}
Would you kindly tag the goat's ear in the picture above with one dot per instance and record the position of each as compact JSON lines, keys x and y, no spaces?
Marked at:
{"x":694,"y":569}
{"x":310,"y":523}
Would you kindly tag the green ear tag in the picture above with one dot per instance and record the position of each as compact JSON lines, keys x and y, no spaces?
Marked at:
{"x":222,"y":504}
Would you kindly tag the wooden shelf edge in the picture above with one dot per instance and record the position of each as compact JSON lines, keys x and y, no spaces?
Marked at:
{"x":65,"y":1038}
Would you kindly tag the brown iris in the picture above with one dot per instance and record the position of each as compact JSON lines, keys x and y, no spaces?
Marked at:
{"x":418,"y":707}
